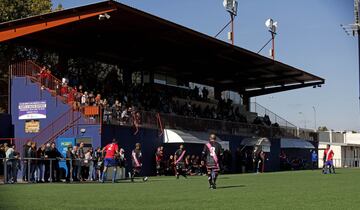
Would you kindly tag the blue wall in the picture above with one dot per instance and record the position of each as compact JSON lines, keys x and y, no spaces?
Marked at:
{"x":23,"y":90}
{"x":6,"y":127}
{"x":150,"y":140}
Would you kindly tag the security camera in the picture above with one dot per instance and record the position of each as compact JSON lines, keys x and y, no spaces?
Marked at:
{"x":104,"y":16}
{"x":82,"y":130}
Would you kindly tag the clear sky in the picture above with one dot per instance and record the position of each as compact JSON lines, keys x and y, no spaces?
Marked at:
{"x":309,"y":38}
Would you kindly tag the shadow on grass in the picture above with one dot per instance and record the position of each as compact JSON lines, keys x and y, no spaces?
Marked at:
{"x":230,"y":186}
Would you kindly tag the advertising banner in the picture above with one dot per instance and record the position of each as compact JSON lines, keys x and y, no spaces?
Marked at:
{"x":32,"y":110}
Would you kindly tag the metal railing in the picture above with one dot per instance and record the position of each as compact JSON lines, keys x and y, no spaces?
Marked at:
{"x":47,"y":169}
{"x":274,"y":118}
{"x":343,"y":163}
{"x":49,"y":82}
{"x":57,"y":127}
{"x":161,"y":121}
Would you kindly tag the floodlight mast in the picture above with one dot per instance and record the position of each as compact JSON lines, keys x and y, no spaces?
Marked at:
{"x":354,"y":29}
{"x":231,"y":7}
{"x":272,"y":26}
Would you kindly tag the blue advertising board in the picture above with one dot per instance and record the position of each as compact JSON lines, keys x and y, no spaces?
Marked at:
{"x":62,"y":145}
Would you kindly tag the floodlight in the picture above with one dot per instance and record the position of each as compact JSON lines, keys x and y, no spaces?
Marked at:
{"x":271,"y":25}
{"x":82,"y":130}
{"x":231,"y":6}
{"x":104,"y":16}
{"x":268,"y":23}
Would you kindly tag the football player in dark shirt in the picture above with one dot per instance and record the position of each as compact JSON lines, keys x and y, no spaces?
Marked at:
{"x":136,"y":159}
{"x":211,"y":155}
{"x":179,"y":162}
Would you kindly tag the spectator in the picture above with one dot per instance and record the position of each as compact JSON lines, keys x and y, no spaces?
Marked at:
{"x":10,"y":164}
{"x":81,"y":156}
{"x":69,"y":158}
{"x":87,"y":163}
{"x":205,"y":93}
{"x":40,"y":163}
{"x":75,"y":164}
{"x":85,"y":99}
{"x":25,"y":171}
{"x":314,"y":159}
{"x":47,"y":162}
{"x":33,"y":162}
{"x":98,"y":163}
{"x":54,"y":154}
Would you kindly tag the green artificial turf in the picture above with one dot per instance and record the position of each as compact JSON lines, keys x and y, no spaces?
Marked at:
{"x":282,"y":190}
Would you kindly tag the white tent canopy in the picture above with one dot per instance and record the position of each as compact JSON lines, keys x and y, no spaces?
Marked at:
{"x":178,"y":136}
{"x":296,"y":143}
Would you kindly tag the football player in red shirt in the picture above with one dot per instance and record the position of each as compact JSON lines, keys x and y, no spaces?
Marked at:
{"x":110,"y":150}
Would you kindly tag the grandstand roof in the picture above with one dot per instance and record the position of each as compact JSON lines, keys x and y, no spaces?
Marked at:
{"x":138,"y":40}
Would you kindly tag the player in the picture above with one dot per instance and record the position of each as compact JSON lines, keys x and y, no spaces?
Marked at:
{"x":136,"y":159}
{"x":110,"y":150}
{"x":211,"y":155}
{"x":328,"y":157}
{"x":179,"y":162}
{"x":159,"y":156}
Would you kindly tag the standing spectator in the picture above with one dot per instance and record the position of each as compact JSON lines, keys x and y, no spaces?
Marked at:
{"x":25,"y":171}
{"x":87,"y":163}
{"x":55,"y":155}
{"x":81,"y":156}
{"x":85,"y":99}
{"x":69,"y":159}
{"x":32,"y":154}
{"x":314,"y":159}
{"x":75,"y":164}
{"x":205,"y":93}
{"x":47,"y":162}
{"x":48,"y":83}
{"x":10,"y":163}
{"x":40,"y":163}
{"x":98,"y":163}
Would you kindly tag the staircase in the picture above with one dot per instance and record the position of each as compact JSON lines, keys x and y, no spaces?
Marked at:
{"x":66,"y":120}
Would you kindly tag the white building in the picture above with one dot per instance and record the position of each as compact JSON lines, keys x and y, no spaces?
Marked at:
{"x":346,"y":147}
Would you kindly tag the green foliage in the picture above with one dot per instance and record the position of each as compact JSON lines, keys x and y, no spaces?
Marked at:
{"x":323,"y":128}
{"x":16,"y":9}
{"x":12,"y":10}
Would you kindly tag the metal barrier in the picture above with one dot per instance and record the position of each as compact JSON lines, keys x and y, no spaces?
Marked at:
{"x":343,"y":163}
{"x":151,"y":120}
{"x":274,"y":118}
{"x":42,"y":169}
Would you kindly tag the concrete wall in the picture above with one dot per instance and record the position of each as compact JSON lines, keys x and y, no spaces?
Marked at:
{"x":352,"y":138}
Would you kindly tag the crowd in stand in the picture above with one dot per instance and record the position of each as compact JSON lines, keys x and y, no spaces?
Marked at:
{"x":123,"y":105}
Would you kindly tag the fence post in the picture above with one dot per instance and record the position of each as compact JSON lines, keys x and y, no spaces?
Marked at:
{"x":51,"y":171}
{"x":70,"y":171}
{"x":5,"y":170}
{"x":28,"y":168}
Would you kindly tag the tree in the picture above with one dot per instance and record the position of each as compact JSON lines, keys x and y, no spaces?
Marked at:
{"x":323,"y":128}
{"x":12,"y":10}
